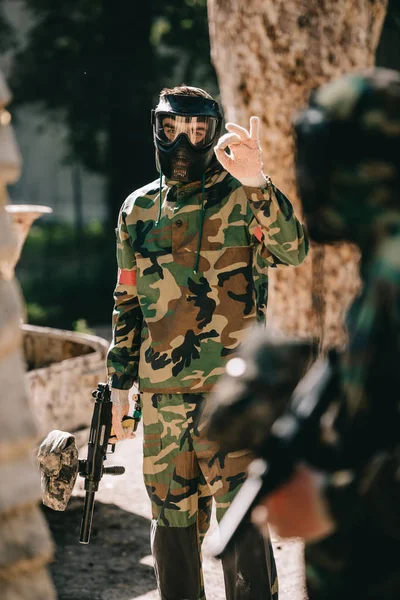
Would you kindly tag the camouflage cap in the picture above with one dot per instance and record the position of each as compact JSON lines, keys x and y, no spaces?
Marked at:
{"x":348,"y":156}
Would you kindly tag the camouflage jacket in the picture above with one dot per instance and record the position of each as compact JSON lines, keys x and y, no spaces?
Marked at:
{"x":363,"y":487}
{"x":174,"y":328}
{"x":368,"y":370}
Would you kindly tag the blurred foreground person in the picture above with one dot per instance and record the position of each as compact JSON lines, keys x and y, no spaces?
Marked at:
{"x":348,"y":170}
{"x":343,"y":495}
{"x":26,"y":545}
{"x":194,"y":248}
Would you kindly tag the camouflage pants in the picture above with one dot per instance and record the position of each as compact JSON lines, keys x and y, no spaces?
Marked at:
{"x":183,"y":472}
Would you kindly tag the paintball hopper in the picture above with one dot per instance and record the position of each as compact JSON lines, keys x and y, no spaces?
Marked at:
{"x":255,"y":389}
{"x":58,"y":462}
{"x":60,"y":465}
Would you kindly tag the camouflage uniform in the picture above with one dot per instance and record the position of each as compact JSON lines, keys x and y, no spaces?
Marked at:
{"x":175,"y":326}
{"x":361,"y":204}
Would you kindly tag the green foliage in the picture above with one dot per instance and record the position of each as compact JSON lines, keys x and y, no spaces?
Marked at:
{"x":39,"y":315}
{"x":7,"y":33}
{"x":68,"y":281}
{"x":81,"y":326}
{"x":393,"y":15}
{"x":387,"y":52}
{"x":183,"y":34}
{"x":98,"y":66}
{"x":160,"y":28}
{"x":62,"y":68}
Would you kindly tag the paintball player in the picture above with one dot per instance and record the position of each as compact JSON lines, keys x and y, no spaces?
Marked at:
{"x":193,"y":251}
{"x":345,"y":500}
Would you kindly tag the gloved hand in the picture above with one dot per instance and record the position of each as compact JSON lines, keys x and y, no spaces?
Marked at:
{"x":120,"y":408}
{"x":244,"y":161}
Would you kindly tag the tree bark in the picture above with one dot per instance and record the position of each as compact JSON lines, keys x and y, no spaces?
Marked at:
{"x":268,"y":55}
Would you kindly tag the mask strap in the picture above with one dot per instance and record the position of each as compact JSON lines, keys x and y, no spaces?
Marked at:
{"x":203,"y":185}
{"x":159,"y":201}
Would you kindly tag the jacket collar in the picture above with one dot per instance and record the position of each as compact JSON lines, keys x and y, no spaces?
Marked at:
{"x":213,"y":174}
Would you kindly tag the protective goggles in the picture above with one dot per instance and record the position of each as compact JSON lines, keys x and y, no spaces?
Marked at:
{"x":200,"y":130}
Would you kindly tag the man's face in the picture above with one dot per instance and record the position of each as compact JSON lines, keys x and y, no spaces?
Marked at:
{"x":194,"y":127}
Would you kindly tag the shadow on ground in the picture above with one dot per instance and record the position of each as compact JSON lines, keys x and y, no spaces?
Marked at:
{"x":109,"y":567}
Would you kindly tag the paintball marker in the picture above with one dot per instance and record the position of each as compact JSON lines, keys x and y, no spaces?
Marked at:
{"x":92,"y":468}
{"x":290,"y":440}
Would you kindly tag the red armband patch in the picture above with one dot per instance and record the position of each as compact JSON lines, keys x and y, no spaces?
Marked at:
{"x":126,"y":277}
{"x":258,"y":233}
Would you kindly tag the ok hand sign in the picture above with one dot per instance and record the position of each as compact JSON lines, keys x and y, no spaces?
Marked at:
{"x":244,"y":161}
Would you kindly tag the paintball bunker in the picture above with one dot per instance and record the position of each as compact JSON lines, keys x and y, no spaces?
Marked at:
{"x":63,"y":368}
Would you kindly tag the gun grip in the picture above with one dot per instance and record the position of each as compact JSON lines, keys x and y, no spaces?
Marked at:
{"x":127,"y":422}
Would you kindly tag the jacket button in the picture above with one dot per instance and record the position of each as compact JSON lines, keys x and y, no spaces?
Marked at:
{"x":178,"y":223}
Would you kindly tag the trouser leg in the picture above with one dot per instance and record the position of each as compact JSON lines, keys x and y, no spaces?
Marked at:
{"x":249,"y":569}
{"x":204,"y":512}
{"x":177,"y":562}
{"x":171,"y":476}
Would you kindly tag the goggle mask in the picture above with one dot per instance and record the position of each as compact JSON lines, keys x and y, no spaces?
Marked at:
{"x":198,"y":118}
{"x":199,"y":130}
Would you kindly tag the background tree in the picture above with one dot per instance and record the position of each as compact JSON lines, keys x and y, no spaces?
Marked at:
{"x":97,"y":66}
{"x":7,"y":34}
{"x":268,"y":56}
{"x":83,"y":63}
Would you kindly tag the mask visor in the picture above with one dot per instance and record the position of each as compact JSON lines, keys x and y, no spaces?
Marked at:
{"x":200,"y":130}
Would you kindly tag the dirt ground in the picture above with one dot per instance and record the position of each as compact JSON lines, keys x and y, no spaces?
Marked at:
{"x":117,"y":564}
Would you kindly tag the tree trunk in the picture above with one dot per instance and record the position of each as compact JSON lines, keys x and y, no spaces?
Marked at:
{"x":268,"y":56}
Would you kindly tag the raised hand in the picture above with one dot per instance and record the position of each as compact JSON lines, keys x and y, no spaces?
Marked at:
{"x":244,"y":161}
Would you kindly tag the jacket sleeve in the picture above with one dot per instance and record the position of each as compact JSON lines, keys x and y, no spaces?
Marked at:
{"x":276,"y":227}
{"x":123,"y":354}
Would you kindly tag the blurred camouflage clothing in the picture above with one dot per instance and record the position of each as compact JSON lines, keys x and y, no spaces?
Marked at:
{"x":361,"y":204}
{"x":255,"y":389}
{"x":348,"y":157}
{"x":58,"y":461}
{"x":175,"y":326}
{"x":182,"y":473}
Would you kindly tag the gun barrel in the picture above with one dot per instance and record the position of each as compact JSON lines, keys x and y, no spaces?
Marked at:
{"x":87,"y":516}
{"x":241,"y":507}
{"x":114,"y":470}
{"x":93,"y":469}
